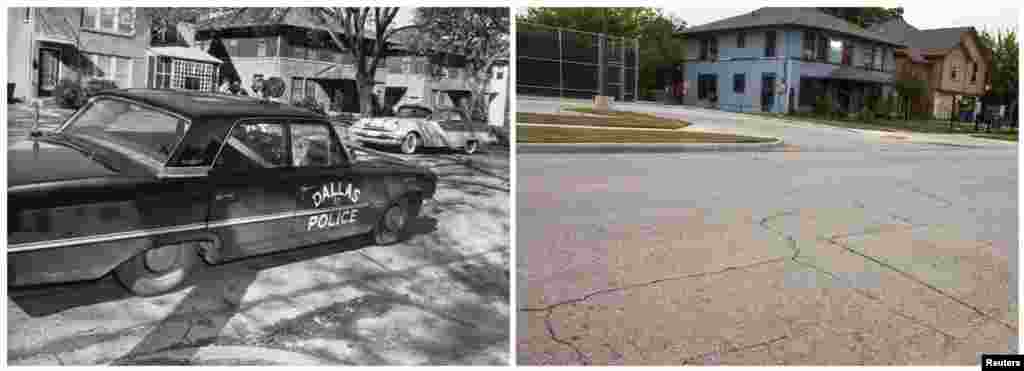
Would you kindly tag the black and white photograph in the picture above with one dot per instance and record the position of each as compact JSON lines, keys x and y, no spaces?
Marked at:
{"x":258,"y":186}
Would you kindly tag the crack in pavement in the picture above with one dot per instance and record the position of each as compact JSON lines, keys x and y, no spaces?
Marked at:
{"x":932,"y":196}
{"x":582,"y":358}
{"x":735,"y":349}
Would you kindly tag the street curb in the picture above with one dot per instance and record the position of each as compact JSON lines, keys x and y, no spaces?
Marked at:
{"x":229,"y":355}
{"x":645,"y":147}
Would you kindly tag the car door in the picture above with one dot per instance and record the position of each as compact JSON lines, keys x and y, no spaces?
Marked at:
{"x":455,"y":128}
{"x":253,"y":208}
{"x":334,"y":202}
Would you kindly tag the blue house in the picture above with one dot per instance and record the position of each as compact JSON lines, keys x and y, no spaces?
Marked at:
{"x":782,"y":59}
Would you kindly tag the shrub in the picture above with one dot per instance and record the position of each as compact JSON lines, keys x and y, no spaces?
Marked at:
{"x":823,"y":106}
{"x":69,"y":94}
{"x":866,"y":115}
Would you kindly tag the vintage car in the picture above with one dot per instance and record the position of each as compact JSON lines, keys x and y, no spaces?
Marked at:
{"x":147,"y":184}
{"x":414,"y":126}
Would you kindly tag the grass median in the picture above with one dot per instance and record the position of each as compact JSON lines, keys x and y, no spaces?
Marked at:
{"x":549,"y":134}
{"x":589,"y":117}
{"x":1009,"y":137}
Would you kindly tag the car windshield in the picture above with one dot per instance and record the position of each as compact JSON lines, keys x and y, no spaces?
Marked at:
{"x":412,"y":112}
{"x":129,"y":126}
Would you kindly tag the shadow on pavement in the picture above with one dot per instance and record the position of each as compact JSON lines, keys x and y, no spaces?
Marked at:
{"x":40,"y":301}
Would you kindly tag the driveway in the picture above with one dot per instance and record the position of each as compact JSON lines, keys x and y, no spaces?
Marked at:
{"x":442,"y":297}
{"x":845,"y":248}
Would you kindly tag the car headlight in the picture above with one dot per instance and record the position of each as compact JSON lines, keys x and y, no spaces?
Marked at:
{"x":391,"y":125}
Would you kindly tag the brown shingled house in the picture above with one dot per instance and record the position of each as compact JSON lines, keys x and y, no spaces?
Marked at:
{"x":953,"y":61}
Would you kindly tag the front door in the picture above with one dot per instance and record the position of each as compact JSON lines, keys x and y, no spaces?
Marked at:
{"x":49,"y":71}
{"x":252,"y":203}
{"x":767,"y":92}
{"x":334,"y":202}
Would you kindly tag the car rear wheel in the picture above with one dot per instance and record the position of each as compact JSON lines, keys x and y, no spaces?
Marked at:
{"x":394,"y":224}
{"x":410,"y":143}
{"x":471,"y":147}
{"x":158,"y":270}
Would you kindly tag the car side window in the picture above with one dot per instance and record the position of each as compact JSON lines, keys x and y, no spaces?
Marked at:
{"x":256,"y":144}
{"x":455,"y":116}
{"x":314,"y":146}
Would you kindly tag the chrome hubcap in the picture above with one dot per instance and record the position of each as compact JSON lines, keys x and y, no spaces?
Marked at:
{"x":162,"y":259}
{"x":395,"y":219}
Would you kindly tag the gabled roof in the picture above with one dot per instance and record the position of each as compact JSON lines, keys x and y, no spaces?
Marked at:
{"x":937,"y":41}
{"x":806,"y":17}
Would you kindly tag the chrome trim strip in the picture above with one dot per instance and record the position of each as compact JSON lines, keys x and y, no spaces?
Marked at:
{"x":74,"y":241}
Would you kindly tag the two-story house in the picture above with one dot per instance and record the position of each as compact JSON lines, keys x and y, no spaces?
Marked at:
{"x":782,"y":59}
{"x":47,"y":45}
{"x":953,"y":61}
{"x":294,"y":46}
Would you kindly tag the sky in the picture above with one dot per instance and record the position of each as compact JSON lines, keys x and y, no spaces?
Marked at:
{"x":919,"y":13}
{"x":920,"y":16}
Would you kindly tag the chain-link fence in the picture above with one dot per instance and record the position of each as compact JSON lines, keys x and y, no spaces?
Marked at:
{"x":559,"y":62}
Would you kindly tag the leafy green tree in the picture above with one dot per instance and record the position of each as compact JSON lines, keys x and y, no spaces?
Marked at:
{"x":657,"y":33}
{"x":865,"y":16}
{"x":1005,"y":54}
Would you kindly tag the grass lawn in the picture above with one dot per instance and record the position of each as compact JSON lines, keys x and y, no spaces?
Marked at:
{"x":607,"y":118}
{"x":541,"y":134}
{"x":1009,"y":136}
{"x":919,"y":126}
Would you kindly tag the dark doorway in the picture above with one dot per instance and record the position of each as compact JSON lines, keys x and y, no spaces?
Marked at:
{"x":767,"y":91}
{"x":49,"y":71}
{"x":393,"y":94}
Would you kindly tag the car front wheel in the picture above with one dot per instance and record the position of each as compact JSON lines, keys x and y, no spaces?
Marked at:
{"x":472,"y":147}
{"x":410,"y":143}
{"x":159,"y":270}
{"x":394,"y":224}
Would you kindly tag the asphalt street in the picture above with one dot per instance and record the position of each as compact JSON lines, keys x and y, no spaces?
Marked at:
{"x":844,"y":248}
{"x":441,"y":297}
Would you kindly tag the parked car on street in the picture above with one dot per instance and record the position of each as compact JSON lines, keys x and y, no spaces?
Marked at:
{"x":147,"y":184}
{"x":416,"y":126}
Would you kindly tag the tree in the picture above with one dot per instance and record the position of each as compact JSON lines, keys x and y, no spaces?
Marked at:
{"x":864,"y":17}
{"x":366,"y":33}
{"x":659,"y":44}
{"x":479,"y":35}
{"x":1005,"y":52}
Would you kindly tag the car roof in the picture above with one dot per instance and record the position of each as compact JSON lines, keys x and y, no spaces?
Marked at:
{"x":194,"y":104}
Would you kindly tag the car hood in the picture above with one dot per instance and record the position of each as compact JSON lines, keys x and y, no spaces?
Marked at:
{"x":54,"y":158}
{"x":387,"y":165}
{"x":382,"y":122}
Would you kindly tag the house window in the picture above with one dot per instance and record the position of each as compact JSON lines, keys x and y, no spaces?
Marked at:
{"x":499,"y":74}
{"x":261,"y":47}
{"x":707,"y":87}
{"x":311,"y":88}
{"x":835,"y":51}
{"x":769,"y":43}
{"x":848,"y":51}
{"x":109,"y":67}
{"x":162,"y":74}
{"x":114,"y":20}
{"x":954,"y":72}
{"x":709,"y":49}
{"x":739,"y":83}
{"x":824,"y":45}
{"x":232,"y":47}
{"x":869,"y":58}
{"x":809,"y":42}
{"x":877,"y":56}
{"x":974,"y":73}
{"x":297,"y":88}
{"x":741,"y":40}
